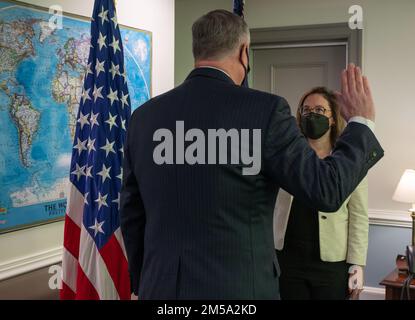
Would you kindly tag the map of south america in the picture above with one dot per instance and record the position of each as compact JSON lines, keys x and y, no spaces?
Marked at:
{"x":15,"y":46}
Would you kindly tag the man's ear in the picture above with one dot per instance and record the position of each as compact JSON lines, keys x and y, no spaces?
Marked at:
{"x":246,"y":47}
{"x":242,"y":51}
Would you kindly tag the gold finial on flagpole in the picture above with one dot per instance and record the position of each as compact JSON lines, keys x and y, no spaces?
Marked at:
{"x":115,"y":2}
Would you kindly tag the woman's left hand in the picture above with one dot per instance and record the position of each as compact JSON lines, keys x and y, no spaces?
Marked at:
{"x":355,"y":280}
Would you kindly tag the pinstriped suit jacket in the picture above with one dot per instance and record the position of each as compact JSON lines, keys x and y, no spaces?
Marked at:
{"x":206,"y":231}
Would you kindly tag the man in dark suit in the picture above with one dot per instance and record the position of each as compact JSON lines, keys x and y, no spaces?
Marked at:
{"x":203,"y":230}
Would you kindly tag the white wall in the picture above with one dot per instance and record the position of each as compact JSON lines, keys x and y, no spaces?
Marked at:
{"x":388,"y":61}
{"x":21,"y":250}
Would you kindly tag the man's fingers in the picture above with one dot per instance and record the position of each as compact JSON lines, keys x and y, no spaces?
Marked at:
{"x":359,"y":80}
{"x":366,"y":86}
{"x":339,"y":98}
{"x":345,"y":85}
{"x":342,"y":105}
{"x":351,"y":77}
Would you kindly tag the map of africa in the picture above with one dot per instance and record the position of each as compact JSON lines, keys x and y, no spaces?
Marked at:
{"x":41,"y":79}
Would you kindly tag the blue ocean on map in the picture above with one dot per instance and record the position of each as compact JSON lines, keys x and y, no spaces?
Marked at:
{"x":41,"y":79}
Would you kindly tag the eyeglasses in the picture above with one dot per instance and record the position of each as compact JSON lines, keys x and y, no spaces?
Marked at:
{"x":319,"y":110}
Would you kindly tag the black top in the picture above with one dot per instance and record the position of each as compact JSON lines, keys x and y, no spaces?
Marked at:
{"x":302,"y":239}
{"x":205,"y":231}
{"x":302,"y":224}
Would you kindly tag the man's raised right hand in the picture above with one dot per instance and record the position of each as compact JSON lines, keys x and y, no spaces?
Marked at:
{"x":355,"y":99}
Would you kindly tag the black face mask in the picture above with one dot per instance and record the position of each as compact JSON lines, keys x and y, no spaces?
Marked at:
{"x":314,"y":125}
{"x":247,"y":69}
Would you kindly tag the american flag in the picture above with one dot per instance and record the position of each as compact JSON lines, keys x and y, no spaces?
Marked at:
{"x":238,"y":7}
{"x":94,"y":259}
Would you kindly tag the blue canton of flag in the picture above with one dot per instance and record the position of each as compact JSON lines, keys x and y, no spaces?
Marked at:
{"x":238,"y":7}
{"x":96,"y":167}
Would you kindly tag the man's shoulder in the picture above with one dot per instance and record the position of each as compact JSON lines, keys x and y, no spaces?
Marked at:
{"x":273,"y":103}
{"x":266,"y":96}
{"x":258,"y":98}
{"x":242,"y":94}
{"x":151,"y":103}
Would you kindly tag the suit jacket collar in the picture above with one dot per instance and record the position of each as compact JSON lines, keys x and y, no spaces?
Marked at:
{"x":208,"y":72}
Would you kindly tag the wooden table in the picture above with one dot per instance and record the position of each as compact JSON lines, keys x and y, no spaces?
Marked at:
{"x":393,"y":283}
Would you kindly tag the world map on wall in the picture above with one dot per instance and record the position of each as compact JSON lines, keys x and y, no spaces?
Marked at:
{"x":41,"y":78}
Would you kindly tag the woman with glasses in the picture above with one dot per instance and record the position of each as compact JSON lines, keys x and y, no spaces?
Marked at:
{"x":321,"y":255}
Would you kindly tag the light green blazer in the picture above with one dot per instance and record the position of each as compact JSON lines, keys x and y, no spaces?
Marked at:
{"x":343,"y":234}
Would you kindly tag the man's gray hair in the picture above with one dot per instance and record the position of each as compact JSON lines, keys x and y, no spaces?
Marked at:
{"x":218,"y":33}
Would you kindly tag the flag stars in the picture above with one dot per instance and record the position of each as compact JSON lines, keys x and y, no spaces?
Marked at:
{"x":91,"y":145}
{"x":97,"y":93}
{"x":111,"y":120}
{"x":88,"y":69}
{"x":123,"y":125}
{"x":80,"y":146}
{"x":102,"y":200}
{"x":109,"y":147}
{"x":93,"y":119}
{"x":120,"y":175}
{"x":85,"y":95}
{"x":117,"y":201}
{"x":115,"y":45}
{"x":88,"y":173}
{"x":115,"y":70}
{"x":101,"y":41}
{"x":78,"y":172}
{"x":113,"y":96}
{"x":99,"y":67}
{"x":83,"y":119}
{"x":104,"y":173}
{"x":97,"y":227}
{"x":124,"y":100}
{"x":115,"y":21}
{"x":86,"y":199}
{"x":124,"y":75}
{"x":103,"y":15}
